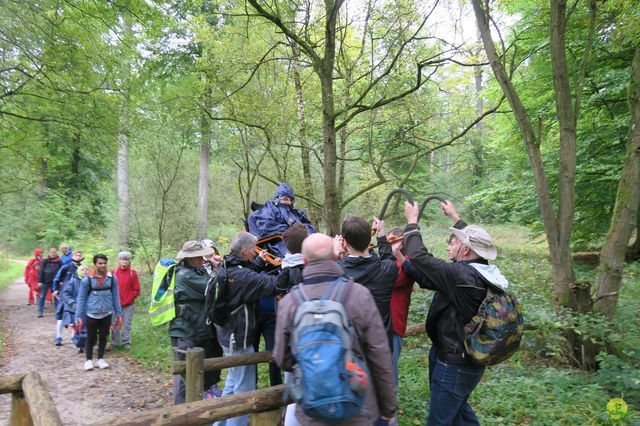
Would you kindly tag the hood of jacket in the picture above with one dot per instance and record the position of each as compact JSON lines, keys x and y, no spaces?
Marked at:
{"x":37,"y":252}
{"x":292,"y":259}
{"x":492,"y":274}
{"x":284,"y":190}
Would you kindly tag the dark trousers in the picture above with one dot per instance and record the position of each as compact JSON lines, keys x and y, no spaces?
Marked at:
{"x":212,"y":349}
{"x":97,"y":328}
{"x":451,"y":385}
{"x":266,"y":327}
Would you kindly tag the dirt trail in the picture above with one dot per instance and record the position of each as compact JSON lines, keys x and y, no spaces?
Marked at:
{"x":81,"y":397}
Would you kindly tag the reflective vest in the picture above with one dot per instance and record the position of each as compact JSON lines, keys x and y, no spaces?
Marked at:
{"x":162,"y":308}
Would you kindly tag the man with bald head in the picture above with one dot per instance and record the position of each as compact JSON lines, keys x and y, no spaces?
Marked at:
{"x":319,"y":273}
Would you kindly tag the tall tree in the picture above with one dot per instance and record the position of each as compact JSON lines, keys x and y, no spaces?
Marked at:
{"x":625,"y":212}
{"x":557,"y":224}
{"x":322,"y":57}
{"x":124,"y":207}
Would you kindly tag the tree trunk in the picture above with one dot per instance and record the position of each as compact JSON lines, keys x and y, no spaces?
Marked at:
{"x":625,"y":212}
{"x":325,"y":72}
{"x":561,"y":261}
{"x":123,"y":149}
{"x":344,"y":134}
{"x":567,"y":124}
{"x":314,"y":215}
{"x":203,"y":183}
{"x":478,"y":155}
{"x":634,"y":250}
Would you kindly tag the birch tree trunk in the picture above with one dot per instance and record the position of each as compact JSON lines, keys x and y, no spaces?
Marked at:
{"x":203,"y":181}
{"x":123,"y":148}
{"x":625,"y":212}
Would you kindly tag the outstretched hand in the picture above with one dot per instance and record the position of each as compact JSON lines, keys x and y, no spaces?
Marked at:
{"x":411,"y":212}
{"x":378,"y":225}
{"x":78,"y":326}
{"x":449,"y":210}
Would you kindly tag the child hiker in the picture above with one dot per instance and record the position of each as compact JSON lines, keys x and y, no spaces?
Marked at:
{"x":98,"y":300}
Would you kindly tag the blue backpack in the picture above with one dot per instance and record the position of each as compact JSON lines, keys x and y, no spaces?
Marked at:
{"x":329,"y":379}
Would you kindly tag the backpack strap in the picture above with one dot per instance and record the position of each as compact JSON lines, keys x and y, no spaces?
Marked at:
{"x":340,"y":289}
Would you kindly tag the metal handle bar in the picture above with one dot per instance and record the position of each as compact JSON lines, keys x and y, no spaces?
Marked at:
{"x":406,"y":193}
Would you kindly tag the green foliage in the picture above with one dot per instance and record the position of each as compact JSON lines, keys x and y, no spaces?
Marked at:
{"x":9,"y":272}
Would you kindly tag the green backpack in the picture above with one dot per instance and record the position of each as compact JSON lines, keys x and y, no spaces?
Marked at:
{"x":495,"y":332}
{"x":162,"y":308}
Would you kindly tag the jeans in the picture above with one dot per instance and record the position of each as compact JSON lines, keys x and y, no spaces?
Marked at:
{"x":46,"y":287}
{"x":239,"y":379}
{"x":451,"y":385}
{"x":97,"y":328}
{"x":123,"y":337}
{"x":211,"y":350}
{"x":395,"y":353}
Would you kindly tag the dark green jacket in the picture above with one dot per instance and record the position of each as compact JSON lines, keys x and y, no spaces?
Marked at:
{"x":190,"y":321}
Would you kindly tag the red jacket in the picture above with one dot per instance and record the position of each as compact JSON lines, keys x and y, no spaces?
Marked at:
{"x":32,"y":268}
{"x":400,"y":301}
{"x":128,"y":285}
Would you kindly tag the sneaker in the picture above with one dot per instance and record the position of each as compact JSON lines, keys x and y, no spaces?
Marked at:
{"x":39,"y":314}
{"x":212,"y":392}
{"x":57,"y":341}
{"x":88,"y":365}
{"x":80,"y":350}
{"x":127,"y":346}
{"x":102,"y":364}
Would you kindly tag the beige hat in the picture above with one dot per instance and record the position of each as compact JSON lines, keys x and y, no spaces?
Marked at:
{"x":194,"y":249}
{"x":478,"y":240}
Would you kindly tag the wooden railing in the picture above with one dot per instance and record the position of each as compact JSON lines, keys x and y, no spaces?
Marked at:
{"x":31,"y":404}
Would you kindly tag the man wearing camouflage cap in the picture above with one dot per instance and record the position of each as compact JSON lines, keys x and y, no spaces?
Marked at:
{"x":460,"y":287}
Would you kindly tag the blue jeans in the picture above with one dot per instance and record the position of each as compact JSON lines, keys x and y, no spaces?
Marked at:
{"x":43,"y":292}
{"x":239,"y":379}
{"x":395,"y":353}
{"x":451,"y":385}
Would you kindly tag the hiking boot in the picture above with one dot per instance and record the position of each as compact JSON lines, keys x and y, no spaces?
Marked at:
{"x":88,"y":365}
{"x":212,"y":392}
{"x":57,"y":341}
{"x":102,"y":364}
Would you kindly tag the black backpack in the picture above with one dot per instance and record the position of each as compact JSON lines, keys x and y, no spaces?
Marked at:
{"x":215,"y":304}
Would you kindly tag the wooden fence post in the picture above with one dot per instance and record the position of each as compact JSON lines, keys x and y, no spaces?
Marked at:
{"x":43,"y":410}
{"x":195,"y":374}
{"x":20,"y":415}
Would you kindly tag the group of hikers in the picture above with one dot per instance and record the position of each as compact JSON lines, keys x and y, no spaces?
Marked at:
{"x":91,"y":301}
{"x":333,"y":311}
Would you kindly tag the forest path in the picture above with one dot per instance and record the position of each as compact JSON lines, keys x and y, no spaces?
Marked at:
{"x":81,"y":397}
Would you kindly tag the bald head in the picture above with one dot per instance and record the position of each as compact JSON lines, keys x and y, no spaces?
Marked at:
{"x":317,"y":247}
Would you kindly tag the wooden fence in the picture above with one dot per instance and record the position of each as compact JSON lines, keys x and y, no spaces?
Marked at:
{"x":31,"y":404}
